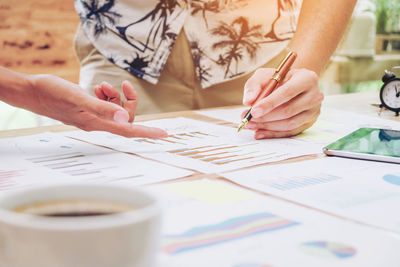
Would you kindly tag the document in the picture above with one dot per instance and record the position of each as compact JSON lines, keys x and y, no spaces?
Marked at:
{"x":54,"y":158}
{"x":331,"y":125}
{"x":230,"y":114}
{"x":364,"y":191}
{"x":254,"y":230}
{"x":202,"y":146}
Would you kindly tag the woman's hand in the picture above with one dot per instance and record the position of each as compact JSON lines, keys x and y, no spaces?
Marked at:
{"x":293,"y":107}
{"x":67,"y":102}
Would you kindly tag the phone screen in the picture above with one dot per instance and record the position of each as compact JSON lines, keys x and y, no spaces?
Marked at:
{"x":375,"y":141}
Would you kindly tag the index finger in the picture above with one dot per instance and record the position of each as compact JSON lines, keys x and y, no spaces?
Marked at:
{"x":292,"y":87}
{"x":125,"y":129}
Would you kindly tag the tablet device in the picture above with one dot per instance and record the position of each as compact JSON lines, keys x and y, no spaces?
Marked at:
{"x":368,"y":143}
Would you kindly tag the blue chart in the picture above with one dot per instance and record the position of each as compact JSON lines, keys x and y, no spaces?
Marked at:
{"x":327,"y":249}
{"x":228,"y":230}
{"x":392,"y":179}
{"x":295,"y":182}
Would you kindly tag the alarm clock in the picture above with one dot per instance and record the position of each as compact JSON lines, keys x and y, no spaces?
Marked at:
{"x":390,"y":92}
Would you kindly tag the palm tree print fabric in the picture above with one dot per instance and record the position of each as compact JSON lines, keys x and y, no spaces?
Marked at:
{"x":228,"y":38}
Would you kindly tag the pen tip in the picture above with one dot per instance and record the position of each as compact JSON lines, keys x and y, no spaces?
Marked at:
{"x":241,"y":126}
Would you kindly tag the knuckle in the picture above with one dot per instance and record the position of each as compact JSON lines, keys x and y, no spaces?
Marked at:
{"x":288,"y":112}
{"x":312,"y":76}
{"x":290,"y":125}
{"x":320,"y":96}
{"x":289,"y":92}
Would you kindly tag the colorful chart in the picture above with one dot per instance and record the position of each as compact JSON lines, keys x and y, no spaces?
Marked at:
{"x":228,"y":230}
{"x":179,"y":138}
{"x":392,"y":179}
{"x":327,"y":249}
{"x":224,"y":154}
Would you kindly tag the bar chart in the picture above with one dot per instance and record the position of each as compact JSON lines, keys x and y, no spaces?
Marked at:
{"x":226,"y":154}
{"x":55,"y":158}
{"x":185,"y":138}
{"x":296,"y":182}
{"x":7,"y":178}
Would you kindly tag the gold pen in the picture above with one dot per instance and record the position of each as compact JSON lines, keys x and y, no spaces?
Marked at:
{"x":271,"y":85}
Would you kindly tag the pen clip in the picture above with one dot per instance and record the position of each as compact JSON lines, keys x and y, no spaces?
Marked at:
{"x":284,"y":61}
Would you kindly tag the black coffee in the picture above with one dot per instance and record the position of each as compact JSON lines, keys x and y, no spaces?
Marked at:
{"x":74,"y":208}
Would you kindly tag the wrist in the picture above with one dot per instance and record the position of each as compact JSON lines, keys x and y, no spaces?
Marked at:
{"x":15,"y":88}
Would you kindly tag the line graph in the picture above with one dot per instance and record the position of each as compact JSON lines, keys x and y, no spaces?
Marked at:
{"x":225,"y":231}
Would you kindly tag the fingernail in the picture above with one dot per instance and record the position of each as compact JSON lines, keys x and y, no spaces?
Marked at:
{"x":260,"y":136}
{"x":121,"y":116}
{"x":106,"y":84}
{"x":257,"y":112}
{"x":161,"y":133}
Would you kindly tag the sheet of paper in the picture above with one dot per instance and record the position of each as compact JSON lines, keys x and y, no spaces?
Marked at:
{"x":210,"y":192}
{"x":51,"y":157}
{"x":261,"y":231}
{"x":331,"y":125}
{"x":231,"y":114}
{"x":364,"y":191}
{"x":334,"y":124}
{"x":203,"y":146}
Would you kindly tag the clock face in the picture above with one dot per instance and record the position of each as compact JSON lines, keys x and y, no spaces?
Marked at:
{"x":390,"y":95}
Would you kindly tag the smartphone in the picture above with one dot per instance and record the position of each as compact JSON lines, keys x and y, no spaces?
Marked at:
{"x":368,"y":143}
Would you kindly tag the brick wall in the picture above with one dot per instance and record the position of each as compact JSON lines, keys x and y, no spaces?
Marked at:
{"x":36,"y":37}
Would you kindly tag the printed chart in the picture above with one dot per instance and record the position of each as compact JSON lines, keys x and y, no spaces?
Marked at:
{"x":8,"y":178}
{"x":393,"y":179}
{"x":358,"y":189}
{"x":54,"y":158}
{"x":298,"y":181}
{"x":260,"y":231}
{"x":203,"y":146}
{"x":327,"y":249}
{"x":231,"y":229}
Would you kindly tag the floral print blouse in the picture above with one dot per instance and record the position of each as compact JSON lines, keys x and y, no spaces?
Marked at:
{"x":228,"y":38}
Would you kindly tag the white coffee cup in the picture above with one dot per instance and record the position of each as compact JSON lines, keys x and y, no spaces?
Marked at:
{"x":126,"y":239}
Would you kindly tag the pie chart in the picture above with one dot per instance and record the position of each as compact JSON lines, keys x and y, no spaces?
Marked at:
{"x":392,"y":179}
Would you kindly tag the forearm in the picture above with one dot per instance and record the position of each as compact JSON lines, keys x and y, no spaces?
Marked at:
{"x":15,"y":88}
{"x":321,"y":26}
